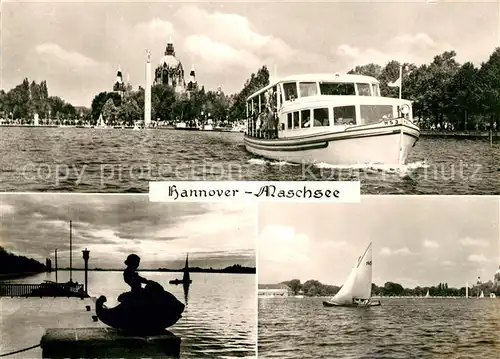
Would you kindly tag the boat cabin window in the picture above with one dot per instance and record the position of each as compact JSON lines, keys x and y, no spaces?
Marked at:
{"x":262,"y":102}
{"x":290,"y":90}
{"x":376,"y":90}
{"x":305,"y":119}
{"x":374,"y":113}
{"x":308,"y":89}
{"x":337,"y":88}
{"x":292,"y":120}
{"x":344,"y":115}
{"x":320,"y":117}
{"x":363,"y":89}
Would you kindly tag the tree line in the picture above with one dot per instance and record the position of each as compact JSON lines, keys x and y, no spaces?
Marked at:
{"x":21,"y":103}
{"x":445,"y":93}
{"x":15,"y":264}
{"x":390,"y":289}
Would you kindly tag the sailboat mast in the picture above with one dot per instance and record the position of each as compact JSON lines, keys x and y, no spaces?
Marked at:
{"x":70,"y":254}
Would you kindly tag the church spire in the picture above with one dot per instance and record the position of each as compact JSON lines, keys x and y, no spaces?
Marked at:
{"x":119,"y":77}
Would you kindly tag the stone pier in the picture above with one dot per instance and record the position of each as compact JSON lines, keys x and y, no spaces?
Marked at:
{"x":59,"y":343}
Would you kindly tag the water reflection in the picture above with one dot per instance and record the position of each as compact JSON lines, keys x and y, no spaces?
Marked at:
{"x":185,"y":286}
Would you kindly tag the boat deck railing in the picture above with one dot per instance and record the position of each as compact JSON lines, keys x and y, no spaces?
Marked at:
{"x":42,"y":290}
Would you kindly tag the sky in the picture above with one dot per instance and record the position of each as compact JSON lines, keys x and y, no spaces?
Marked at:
{"x":78,"y":46}
{"x":417,"y":240}
{"x":113,"y":226}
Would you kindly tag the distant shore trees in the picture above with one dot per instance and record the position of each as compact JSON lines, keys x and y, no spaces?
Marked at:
{"x":444,"y":91}
{"x":11,"y":264}
{"x":315,"y":288}
{"x":19,"y":105}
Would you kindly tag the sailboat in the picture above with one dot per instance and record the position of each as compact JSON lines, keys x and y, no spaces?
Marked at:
{"x":427,"y":295}
{"x":357,"y":289}
{"x":481,"y":295}
{"x":466,"y":290}
{"x":186,"y":279}
{"x":101,"y":124}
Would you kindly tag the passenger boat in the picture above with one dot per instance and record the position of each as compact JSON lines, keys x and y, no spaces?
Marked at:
{"x":357,"y":289}
{"x":329,"y":118}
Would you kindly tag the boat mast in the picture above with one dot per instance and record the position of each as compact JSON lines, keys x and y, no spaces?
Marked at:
{"x":56,"y":262}
{"x":70,"y":254}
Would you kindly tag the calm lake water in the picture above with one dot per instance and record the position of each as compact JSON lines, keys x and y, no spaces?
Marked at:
{"x":87,"y":160}
{"x":220,"y":320}
{"x":400,"y":328}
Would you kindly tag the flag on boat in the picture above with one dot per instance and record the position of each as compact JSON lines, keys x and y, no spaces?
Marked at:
{"x":396,"y":83}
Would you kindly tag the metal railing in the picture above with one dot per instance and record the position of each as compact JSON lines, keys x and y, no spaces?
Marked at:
{"x":42,"y":290}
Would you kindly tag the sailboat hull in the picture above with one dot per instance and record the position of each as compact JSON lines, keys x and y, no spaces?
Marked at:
{"x":370,"y":304}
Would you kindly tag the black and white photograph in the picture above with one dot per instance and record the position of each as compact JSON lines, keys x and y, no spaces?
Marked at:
{"x":107,"y":96}
{"x":115,"y":276}
{"x":391,"y":277}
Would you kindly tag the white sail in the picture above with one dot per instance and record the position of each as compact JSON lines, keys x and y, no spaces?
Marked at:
{"x":363,"y":285}
{"x":466,"y":290}
{"x":427,"y":295}
{"x":482,"y":295}
{"x":359,"y":282}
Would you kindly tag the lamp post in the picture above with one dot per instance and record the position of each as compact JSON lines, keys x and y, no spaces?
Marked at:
{"x":86,"y":260}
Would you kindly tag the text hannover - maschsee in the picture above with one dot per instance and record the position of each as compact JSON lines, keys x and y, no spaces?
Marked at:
{"x":271,"y":191}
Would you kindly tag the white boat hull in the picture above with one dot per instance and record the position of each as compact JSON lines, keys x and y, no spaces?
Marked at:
{"x":350,"y":147}
{"x":375,"y":303}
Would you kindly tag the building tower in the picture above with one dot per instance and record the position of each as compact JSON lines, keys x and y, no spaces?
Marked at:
{"x":119,"y":86}
{"x":192,"y":84}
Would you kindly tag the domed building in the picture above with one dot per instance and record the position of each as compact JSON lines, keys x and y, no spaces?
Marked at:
{"x":170,"y":71}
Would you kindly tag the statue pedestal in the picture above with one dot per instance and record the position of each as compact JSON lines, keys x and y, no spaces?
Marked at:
{"x":58,"y":343}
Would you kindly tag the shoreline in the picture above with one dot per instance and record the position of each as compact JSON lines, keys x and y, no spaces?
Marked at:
{"x":461,"y":134}
{"x":423,"y":133}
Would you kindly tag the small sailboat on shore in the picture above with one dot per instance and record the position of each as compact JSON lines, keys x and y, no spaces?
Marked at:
{"x":357,"y":290}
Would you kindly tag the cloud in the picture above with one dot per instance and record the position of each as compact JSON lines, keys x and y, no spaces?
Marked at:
{"x":219,"y":55}
{"x":386,"y":251}
{"x":156,"y":28}
{"x":55,"y":52}
{"x":160,"y":233}
{"x":477,"y":258}
{"x":430,"y":244}
{"x":282,"y":244}
{"x":448,"y":263}
{"x":414,"y":48}
{"x":472,"y":242}
{"x":226,"y":41}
